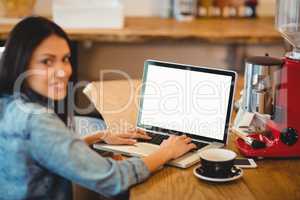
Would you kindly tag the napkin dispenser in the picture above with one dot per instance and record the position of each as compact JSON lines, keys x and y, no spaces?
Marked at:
{"x":106,"y":14}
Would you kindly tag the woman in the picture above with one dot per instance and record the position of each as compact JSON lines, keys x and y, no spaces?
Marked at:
{"x":39,"y":153}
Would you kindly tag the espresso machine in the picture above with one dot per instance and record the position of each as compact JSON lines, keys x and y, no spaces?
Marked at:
{"x":269,"y":107}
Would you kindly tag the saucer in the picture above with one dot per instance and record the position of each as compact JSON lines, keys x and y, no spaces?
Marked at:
{"x":199,"y":173}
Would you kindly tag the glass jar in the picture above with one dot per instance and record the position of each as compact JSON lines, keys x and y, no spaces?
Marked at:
{"x":185,"y":10}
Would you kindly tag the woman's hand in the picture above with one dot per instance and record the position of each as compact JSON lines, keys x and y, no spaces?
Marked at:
{"x":116,"y":138}
{"x":172,"y":148}
{"x":176,"y":146}
{"x":128,"y":138}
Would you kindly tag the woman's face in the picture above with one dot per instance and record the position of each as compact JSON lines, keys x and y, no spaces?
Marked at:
{"x":50,"y":68}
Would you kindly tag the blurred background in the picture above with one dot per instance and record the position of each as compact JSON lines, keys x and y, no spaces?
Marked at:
{"x":101,"y":54}
{"x":141,"y":7}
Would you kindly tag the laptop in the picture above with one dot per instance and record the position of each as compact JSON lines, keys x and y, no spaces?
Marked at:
{"x":181,"y":99}
{"x":1,"y":51}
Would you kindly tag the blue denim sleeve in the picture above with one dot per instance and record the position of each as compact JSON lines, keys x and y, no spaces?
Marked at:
{"x":57,"y":149}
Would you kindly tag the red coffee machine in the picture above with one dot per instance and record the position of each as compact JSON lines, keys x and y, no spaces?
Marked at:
{"x":270,"y":103}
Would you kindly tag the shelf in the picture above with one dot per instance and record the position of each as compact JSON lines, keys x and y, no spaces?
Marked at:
{"x":143,"y":29}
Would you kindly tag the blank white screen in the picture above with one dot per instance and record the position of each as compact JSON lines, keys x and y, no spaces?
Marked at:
{"x":186,"y":101}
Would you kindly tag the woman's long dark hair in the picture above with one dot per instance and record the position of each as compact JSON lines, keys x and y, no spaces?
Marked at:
{"x":25,"y":37}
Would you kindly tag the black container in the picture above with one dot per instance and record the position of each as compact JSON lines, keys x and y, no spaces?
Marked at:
{"x":217,"y":163}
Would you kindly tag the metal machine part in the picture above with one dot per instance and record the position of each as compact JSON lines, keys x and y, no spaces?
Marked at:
{"x":262,"y":76}
{"x":261,"y":80}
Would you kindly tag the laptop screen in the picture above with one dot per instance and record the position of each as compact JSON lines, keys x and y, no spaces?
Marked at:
{"x":1,"y":51}
{"x":184,"y":99}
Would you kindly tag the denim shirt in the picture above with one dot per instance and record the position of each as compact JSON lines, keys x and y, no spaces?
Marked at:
{"x":40,"y":156}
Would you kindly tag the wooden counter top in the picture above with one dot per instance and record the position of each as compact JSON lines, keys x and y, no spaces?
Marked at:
{"x":141,"y":29}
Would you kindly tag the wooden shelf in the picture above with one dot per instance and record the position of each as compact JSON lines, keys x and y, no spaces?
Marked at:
{"x":142,"y":29}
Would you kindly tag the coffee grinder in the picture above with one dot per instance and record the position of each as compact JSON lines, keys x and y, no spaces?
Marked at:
{"x":269,"y":108}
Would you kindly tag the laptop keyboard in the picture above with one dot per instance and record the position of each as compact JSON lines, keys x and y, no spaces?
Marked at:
{"x":158,"y":139}
{"x":155,"y":138}
{"x":200,"y":144}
